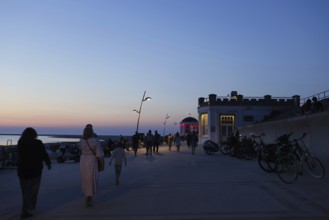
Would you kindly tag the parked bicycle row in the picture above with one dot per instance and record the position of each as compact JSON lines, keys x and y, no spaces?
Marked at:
{"x":286,"y":157}
{"x":289,"y":158}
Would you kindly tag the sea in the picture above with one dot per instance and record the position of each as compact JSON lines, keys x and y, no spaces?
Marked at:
{"x":8,"y":140}
{"x":12,"y":139}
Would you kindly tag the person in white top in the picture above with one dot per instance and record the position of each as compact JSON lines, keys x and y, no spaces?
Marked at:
{"x":118,"y":155}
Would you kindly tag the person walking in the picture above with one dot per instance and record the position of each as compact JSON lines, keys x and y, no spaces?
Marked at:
{"x":109,"y":148}
{"x":188,"y":139}
{"x":148,"y":140}
{"x":91,"y":151}
{"x":118,"y":155}
{"x":31,"y":156}
{"x":178,"y":141}
{"x":194,"y":141}
{"x":156,"y":142}
{"x":170,"y":140}
{"x":135,"y":142}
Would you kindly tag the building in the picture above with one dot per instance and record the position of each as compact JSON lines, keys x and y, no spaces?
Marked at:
{"x":188,"y":124}
{"x":219,"y":116}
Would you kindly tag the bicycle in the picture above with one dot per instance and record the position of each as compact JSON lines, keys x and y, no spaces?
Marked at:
{"x":268,"y":153}
{"x":294,"y":158}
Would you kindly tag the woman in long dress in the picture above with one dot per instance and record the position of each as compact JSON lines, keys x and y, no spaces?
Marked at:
{"x":91,"y":151}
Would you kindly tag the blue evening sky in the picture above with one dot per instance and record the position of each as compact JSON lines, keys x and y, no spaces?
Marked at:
{"x":65,"y":63}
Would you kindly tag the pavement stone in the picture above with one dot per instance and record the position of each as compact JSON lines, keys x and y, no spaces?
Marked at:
{"x":172,"y":185}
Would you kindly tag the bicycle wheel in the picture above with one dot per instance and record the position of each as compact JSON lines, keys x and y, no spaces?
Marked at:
{"x":225,"y":148}
{"x":267,"y":158}
{"x":287,"y":169}
{"x":314,"y":167}
{"x":262,"y":161}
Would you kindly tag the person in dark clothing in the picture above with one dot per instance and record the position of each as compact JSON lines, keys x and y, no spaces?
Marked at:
{"x":31,"y":155}
{"x":307,"y":107}
{"x":178,"y":141}
{"x":148,"y":140}
{"x":170,"y":140}
{"x":156,"y":142}
{"x":316,"y":105}
{"x":188,"y":139}
{"x":135,"y":142}
{"x":194,"y":141}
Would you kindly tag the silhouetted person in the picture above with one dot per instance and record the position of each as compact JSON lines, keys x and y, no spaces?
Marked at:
{"x":316,"y":105}
{"x":188,"y":139}
{"x":178,"y":141}
{"x":135,"y":142}
{"x":194,"y":141}
{"x":235,"y":138}
{"x":31,"y":155}
{"x":148,"y":140}
{"x":170,"y":140}
{"x":307,"y":107}
{"x":110,"y":146}
{"x":156,"y":142}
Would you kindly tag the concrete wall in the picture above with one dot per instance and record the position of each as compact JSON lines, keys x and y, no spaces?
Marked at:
{"x":316,"y":125}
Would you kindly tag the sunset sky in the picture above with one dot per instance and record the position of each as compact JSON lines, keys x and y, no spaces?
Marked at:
{"x":66,"y":63}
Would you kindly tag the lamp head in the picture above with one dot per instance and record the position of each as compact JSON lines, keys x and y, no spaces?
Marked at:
{"x":147,"y":98}
{"x":135,"y":110}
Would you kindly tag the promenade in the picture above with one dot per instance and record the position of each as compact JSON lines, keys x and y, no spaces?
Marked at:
{"x":172,"y":185}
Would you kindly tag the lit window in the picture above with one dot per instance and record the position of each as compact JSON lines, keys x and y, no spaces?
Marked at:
{"x":204,"y":124}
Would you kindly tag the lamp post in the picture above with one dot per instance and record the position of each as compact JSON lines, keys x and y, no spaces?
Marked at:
{"x":164,"y":124}
{"x":140,"y":109}
{"x":173,"y":126}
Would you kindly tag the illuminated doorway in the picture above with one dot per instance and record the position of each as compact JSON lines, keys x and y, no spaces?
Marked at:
{"x":226,"y":126}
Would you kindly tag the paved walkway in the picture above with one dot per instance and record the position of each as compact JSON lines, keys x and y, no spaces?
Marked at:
{"x":173,"y":185}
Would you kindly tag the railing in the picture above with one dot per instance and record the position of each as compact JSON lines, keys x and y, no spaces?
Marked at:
{"x":248,"y":98}
{"x":319,"y":96}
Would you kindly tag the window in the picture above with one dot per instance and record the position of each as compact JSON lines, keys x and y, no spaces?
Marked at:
{"x":204,"y":124}
{"x":227,"y":125}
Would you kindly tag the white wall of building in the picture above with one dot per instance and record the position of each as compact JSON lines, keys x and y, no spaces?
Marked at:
{"x":214,"y":112}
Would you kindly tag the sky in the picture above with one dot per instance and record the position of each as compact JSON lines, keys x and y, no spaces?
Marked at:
{"x":66,"y":63}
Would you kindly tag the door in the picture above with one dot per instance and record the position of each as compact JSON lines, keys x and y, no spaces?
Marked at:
{"x":226,"y":123}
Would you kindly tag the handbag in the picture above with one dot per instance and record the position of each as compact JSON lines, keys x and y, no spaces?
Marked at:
{"x":100,"y":164}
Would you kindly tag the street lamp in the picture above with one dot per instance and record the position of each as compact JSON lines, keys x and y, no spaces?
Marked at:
{"x":140,"y":109}
{"x":173,"y":126}
{"x":164,"y":124}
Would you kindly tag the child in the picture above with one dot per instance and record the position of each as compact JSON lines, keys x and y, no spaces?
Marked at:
{"x":118,"y":155}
